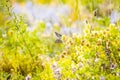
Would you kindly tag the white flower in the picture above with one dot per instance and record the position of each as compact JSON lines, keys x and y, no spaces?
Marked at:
{"x":102,"y":78}
{"x":96,"y":60}
{"x":27,"y":77}
{"x":4,"y":35}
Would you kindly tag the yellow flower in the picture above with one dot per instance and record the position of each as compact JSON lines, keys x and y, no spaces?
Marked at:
{"x":112,"y":25}
{"x":10,"y":32}
{"x":63,"y":38}
{"x":70,"y":41}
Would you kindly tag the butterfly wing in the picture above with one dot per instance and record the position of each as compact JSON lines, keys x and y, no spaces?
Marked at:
{"x":58,"y":41}
{"x":58,"y":35}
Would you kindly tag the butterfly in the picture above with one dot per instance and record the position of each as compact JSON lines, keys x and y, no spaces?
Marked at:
{"x":59,"y":38}
{"x":58,"y":35}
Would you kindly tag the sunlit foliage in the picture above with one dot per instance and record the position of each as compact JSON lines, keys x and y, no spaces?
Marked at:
{"x":94,"y":55}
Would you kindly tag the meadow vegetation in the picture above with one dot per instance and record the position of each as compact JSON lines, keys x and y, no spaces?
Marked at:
{"x":92,"y":55}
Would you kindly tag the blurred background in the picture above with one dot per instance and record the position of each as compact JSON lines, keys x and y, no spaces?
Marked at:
{"x":66,"y":16}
